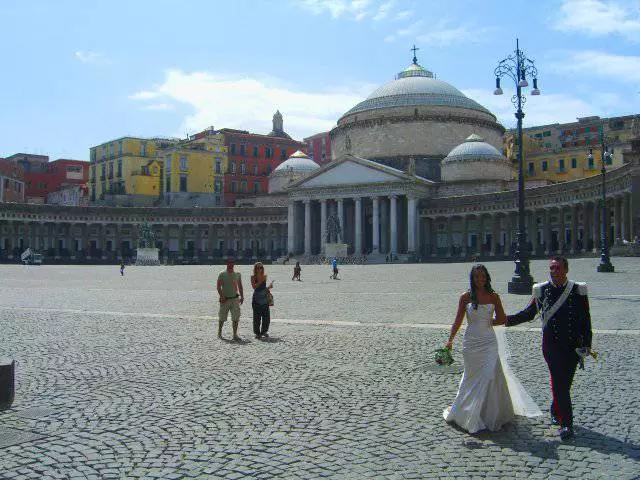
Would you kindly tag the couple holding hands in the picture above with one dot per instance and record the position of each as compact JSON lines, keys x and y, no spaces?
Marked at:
{"x":489,"y":394}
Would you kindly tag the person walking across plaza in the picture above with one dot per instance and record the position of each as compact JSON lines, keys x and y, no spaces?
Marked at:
{"x":231,"y":295}
{"x":260,"y":302}
{"x":122,"y":268}
{"x":563,"y":306}
{"x":489,"y":394}
{"x":296,"y":272}
{"x":334,"y":266}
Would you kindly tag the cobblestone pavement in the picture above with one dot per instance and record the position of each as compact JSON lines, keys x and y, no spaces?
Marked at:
{"x":122,"y":377}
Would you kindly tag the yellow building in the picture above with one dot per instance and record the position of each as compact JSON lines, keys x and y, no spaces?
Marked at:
{"x":138,"y":171}
{"x":560,"y":152}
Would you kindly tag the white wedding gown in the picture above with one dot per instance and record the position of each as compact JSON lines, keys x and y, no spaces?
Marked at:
{"x":489,"y":394}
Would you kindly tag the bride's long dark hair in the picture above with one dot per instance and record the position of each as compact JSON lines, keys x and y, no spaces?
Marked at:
{"x":473,"y":295}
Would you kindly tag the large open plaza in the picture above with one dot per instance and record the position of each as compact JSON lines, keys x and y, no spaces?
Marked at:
{"x":123,"y":377}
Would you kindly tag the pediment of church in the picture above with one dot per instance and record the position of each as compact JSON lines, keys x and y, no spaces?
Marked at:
{"x":350,"y":170}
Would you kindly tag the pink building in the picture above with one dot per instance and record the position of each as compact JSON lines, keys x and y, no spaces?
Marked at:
{"x":319,"y":147}
{"x":11,"y":182}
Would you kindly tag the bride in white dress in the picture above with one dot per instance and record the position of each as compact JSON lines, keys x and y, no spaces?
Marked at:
{"x":489,"y":394}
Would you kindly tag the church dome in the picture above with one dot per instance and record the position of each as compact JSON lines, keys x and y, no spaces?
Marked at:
{"x":297,"y":162}
{"x":416,"y":87}
{"x":474,"y":148}
{"x":475,"y":160}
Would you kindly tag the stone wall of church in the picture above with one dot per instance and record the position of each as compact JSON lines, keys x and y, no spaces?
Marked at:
{"x":479,"y":171}
{"x":401,"y":132}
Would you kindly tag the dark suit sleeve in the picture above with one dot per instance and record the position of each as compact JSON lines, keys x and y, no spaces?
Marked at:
{"x":522,"y":316}
{"x":585,"y":317}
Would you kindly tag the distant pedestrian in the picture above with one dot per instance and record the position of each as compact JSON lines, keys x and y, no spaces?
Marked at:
{"x":334,"y":265}
{"x":260,"y":302}
{"x":122,"y":268}
{"x":231,"y":295}
{"x":296,"y":272}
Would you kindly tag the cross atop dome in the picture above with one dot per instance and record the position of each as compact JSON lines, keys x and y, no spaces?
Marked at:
{"x":415,"y":59}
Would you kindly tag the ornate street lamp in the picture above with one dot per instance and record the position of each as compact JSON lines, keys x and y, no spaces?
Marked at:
{"x":518,"y":67}
{"x":605,"y":156}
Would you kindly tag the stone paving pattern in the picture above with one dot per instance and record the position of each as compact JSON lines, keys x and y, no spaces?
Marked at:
{"x":122,"y":377}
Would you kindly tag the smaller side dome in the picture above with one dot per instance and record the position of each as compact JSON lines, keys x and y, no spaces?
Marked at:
{"x":475,"y":159}
{"x":297,"y":162}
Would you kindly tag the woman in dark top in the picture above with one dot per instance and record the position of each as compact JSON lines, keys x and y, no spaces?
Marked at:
{"x":260,"y":301}
{"x":296,"y":272}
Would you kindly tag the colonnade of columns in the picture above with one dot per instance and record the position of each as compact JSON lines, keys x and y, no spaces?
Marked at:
{"x":104,"y":241}
{"x":377,"y":224}
{"x":571,"y":228}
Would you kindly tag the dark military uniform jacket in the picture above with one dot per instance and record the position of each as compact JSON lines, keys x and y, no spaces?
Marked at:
{"x":570,"y":326}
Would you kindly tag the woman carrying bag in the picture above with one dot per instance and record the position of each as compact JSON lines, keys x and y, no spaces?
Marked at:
{"x":262,"y":300}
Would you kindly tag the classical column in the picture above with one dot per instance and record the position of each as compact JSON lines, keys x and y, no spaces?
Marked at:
{"x":118,"y":240}
{"x":343,"y":236}
{"x":85,"y":240}
{"x":181,"y":228}
{"x":623,"y":217}
{"x":394,"y":225}
{"x":494,"y":234}
{"x":290,"y":227}
{"x":41,"y":231}
{"x":481,"y":234}
{"x":508,"y":238}
{"x":323,"y":227}
{"x":411,"y":225}
{"x":376,"y":226}
{"x":384,"y":226}
{"x":632,"y":232}
{"x":166,"y":240}
{"x":449,"y":236}
{"x":596,"y":227}
{"x":427,"y":236}
{"x":617,"y":220}
{"x":198,"y":247}
{"x":357,"y":218}
{"x":211,"y":241}
{"x":307,"y":227}
{"x":465,"y":235}
{"x":574,"y":228}
{"x":586,"y":227}
{"x":533,"y":227}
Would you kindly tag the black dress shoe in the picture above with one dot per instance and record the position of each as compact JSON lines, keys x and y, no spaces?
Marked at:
{"x":566,"y":433}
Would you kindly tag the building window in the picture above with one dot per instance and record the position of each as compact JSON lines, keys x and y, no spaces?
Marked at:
{"x":183,"y":163}
{"x":545,"y":166}
{"x":233,"y":149}
{"x":256,"y":187}
{"x":233,"y":167}
{"x":119,"y":168}
{"x":561,"y":165}
{"x":243,"y":150}
{"x":283,"y":154}
{"x":111,"y":149}
{"x":243,"y":186}
{"x":268,"y":152}
{"x":120,"y":147}
{"x":255,"y":169}
{"x":243,"y":168}
{"x":168,"y":184}
{"x":574,"y":163}
{"x":234,"y":186}
{"x":111,"y":170}
{"x":218,"y":165}
{"x":546,"y":133}
{"x":268,"y":169}
{"x":183,"y":183}
{"x":104,"y":152}
{"x":255,"y":151}
{"x":103,"y":172}
{"x":93,"y":154}
{"x":218,"y":185}
{"x":143,"y":149}
{"x":531,"y":168}
{"x":590,"y":161}
{"x":608,"y":159}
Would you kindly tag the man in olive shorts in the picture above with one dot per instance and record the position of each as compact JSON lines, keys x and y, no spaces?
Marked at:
{"x":229,"y":288}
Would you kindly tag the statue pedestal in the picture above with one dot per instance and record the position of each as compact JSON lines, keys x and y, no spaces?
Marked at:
{"x":147,"y":256}
{"x":336,"y":250}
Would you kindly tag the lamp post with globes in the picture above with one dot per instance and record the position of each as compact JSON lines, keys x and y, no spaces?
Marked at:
{"x":606,"y":157}
{"x":518,"y":67}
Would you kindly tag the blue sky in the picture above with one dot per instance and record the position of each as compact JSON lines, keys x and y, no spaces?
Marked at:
{"x":77,"y":73}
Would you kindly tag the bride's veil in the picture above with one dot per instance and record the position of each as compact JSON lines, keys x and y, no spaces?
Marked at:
{"x":523,"y":404}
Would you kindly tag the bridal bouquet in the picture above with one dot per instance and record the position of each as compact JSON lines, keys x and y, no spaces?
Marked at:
{"x":443,"y":356}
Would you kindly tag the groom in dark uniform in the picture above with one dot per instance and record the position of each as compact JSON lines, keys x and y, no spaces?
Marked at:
{"x":566,"y":326}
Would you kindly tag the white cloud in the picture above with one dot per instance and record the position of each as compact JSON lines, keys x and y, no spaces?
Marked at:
{"x":403,"y":15}
{"x":358,"y":9}
{"x":158,"y":106}
{"x":616,"y":68}
{"x":599,"y":17}
{"x":249,"y":103}
{"x":441,"y":34}
{"x":539,"y":110}
{"x":90,"y":57}
{"x":384,"y":10}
